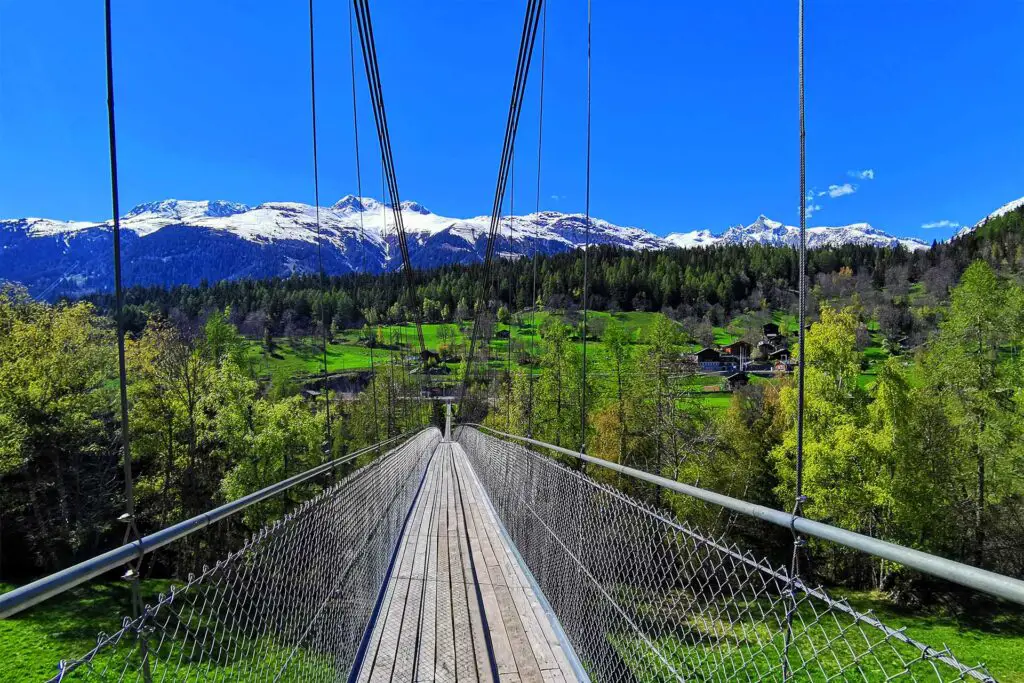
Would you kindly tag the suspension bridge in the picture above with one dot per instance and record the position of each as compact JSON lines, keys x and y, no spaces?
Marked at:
{"x":474,"y":555}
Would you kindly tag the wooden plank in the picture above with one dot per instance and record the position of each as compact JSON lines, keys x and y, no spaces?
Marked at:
{"x":444,"y":665}
{"x":405,"y":649}
{"x":423,"y":529}
{"x":410,"y":541}
{"x":503,"y":657}
{"x":465,"y":656}
{"x":384,"y":662}
{"x":428,"y":612}
{"x":552,"y":676}
{"x":374,"y":643}
{"x":471,"y":501}
{"x":526,"y":662}
{"x":480,"y":651}
{"x":486,"y":550}
{"x":534,"y":632}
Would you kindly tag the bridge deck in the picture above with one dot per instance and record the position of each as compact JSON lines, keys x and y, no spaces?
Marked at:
{"x":453,"y":559}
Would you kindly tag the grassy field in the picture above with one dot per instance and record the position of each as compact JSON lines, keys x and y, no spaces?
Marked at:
{"x":65,"y":627}
{"x":34,"y":642}
{"x":348,"y":352}
{"x":839,"y":649}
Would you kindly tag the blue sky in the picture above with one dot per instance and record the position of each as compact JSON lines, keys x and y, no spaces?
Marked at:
{"x":694,"y":108}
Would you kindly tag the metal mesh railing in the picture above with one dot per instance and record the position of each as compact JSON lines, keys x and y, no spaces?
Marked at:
{"x":644,"y":597}
{"x":291,"y":604}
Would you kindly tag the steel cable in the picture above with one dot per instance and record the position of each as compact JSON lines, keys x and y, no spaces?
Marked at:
{"x":131,"y":528}
{"x":798,"y":540}
{"x":362,"y":228}
{"x":540,"y":146}
{"x":526,"y":43}
{"x":319,"y":237}
{"x":369,"y":50}
{"x":586,"y":253}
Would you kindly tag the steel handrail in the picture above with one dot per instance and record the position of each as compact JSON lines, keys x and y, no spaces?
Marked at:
{"x":47,"y":587}
{"x":959,"y":573}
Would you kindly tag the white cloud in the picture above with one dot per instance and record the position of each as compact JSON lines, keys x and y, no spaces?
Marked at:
{"x":557,"y":197}
{"x":866,"y":174}
{"x":940,"y":224}
{"x":811,"y":208}
{"x":841,"y":190}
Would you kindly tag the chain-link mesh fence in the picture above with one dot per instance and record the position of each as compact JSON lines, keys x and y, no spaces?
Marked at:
{"x":645,"y":597}
{"x":291,"y":604}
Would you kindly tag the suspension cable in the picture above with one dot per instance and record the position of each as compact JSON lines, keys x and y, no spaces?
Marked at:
{"x":799,"y":499}
{"x":586,"y":253}
{"x":526,"y":43}
{"x":362,"y":227}
{"x":319,"y":239}
{"x":536,"y":231}
{"x":511,"y":283}
{"x":369,"y":50}
{"x":132,"y":528}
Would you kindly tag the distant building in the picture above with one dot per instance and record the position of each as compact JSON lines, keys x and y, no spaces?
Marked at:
{"x":736,"y":380}
{"x":770,"y":330}
{"x":713,"y":360}
{"x":765,"y":347}
{"x":779,"y":355}
{"x":740,"y":349}
{"x":709,"y":360}
{"x":729,"y":362}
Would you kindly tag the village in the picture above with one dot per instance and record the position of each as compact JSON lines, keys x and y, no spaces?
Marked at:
{"x":737,"y":361}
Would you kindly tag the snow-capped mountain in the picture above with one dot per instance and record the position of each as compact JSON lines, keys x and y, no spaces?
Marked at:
{"x":185,"y":242}
{"x":773,"y":233}
{"x":1004,"y":209}
{"x":688,"y":240}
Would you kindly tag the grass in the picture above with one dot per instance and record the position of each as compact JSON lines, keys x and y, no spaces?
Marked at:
{"x":66,"y":627}
{"x":35,"y":641}
{"x":748,"y":646}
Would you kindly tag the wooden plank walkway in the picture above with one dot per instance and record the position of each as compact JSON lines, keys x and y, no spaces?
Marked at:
{"x":452,"y":560}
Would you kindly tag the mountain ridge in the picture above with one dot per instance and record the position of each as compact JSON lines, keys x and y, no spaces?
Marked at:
{"x":174,"y":241}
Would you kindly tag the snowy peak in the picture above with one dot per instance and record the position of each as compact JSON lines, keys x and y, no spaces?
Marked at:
{"x":773,"y":233}
{"x":185,"y":209}
{"x":353,"y":204}
{"x":1004,"y":209}
{"x":1001,"y":211}
{"x":415,"y":207}
{"x":688,"y":240}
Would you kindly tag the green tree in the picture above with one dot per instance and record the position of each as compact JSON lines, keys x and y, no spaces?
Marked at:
{"x":59,"y":472}
{"x":837,"y":475}
{"x":979,"y":384}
